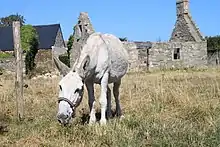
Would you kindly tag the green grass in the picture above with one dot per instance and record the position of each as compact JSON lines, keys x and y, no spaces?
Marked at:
{"x":4,"y":55}
{"x":161,"y":109}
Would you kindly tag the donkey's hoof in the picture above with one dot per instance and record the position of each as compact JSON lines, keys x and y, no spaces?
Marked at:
{"x":103,"y":122}
{"x":121,"y":117}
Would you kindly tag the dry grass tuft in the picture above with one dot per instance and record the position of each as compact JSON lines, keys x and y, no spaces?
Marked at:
{"x":172,"y":108}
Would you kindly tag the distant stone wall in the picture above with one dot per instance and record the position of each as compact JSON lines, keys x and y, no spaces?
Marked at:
{"x":192,"y":54}
{"x":133,"y":54}
{"x":43,"y":56}
{"x":8,"y":64}
{"x":43,"y":61}
{"x":59,"y":51}
{"x":82,"y":30}
{"x":161,"y":55}
{"x":181,"y":31}
{"x":185,"y":28}
{"x":59,"y":42}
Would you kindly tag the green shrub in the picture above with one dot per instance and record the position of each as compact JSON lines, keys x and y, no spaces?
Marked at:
{"x":29,"y":42}
{"x":65,"y":59}
{"x":213,"y":42}
{"x":5,"y":55}
{"x":69,"y":45}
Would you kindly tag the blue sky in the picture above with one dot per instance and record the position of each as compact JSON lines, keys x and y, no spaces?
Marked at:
{"x":139,"y":20}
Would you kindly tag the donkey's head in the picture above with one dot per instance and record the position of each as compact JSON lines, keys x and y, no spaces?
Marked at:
{"x":70,"y":89}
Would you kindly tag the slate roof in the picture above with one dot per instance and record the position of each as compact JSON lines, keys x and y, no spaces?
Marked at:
{"x":47,"y":35}
{"x":6,"y":39}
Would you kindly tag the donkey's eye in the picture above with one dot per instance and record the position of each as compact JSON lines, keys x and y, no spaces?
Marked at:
{"x":60,"y":87}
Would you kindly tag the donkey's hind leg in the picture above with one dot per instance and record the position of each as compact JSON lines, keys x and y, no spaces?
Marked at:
{"x":117,"y":98}
{"x":103,"y":97}
{"x":109,"y":111}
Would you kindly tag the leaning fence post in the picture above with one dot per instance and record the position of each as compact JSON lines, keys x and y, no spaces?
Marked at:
{"x":19,"y":70}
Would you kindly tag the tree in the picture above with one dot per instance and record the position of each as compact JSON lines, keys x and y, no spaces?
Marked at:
{"x":69,"y":45}
{"x":70,"y":42}
{"x":213,"y":42}
{"x":29,"y":43}
{"x":7,"y":21}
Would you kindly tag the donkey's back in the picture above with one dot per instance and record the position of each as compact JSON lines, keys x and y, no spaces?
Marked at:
{"x":107,"y":53}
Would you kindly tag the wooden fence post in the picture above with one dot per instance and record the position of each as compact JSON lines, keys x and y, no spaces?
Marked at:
{"x":19,"y":70}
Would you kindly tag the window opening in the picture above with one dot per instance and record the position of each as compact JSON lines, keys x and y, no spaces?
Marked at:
{"x":176,"y":54}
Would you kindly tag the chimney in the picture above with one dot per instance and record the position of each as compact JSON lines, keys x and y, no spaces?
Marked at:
{"x":182,"y":7}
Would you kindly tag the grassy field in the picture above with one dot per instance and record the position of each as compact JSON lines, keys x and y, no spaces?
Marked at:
{"x":178,"y":108}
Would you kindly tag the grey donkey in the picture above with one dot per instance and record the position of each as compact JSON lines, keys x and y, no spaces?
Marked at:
{"x":103,"y":60}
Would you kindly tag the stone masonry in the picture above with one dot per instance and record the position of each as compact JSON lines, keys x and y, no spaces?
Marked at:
{"x":8,"y":64}
{"x":82,"y":30}
{"x":59,"y":42}
{"x":185,"y":28}
{"x":192,"y":54}
{"x":186,"y":47}
{"x":161,"y":55}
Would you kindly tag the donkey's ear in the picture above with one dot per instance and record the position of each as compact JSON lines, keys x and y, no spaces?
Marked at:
{"x":63,"y":69}
{"x":84,"y":66}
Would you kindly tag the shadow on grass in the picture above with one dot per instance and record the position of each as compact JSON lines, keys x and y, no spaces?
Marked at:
{"x":4,"y":120}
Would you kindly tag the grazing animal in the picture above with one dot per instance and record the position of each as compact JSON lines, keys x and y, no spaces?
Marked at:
{"x":103,"y":60}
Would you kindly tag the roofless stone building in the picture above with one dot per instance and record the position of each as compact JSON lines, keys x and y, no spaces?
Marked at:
{"x":82,"y":30}
{"x":185,"y":29}
{"x":186,"y":47}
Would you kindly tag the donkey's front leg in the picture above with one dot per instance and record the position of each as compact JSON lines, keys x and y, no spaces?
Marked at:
{"x":103,"y":98}
{"x":91,"y":101}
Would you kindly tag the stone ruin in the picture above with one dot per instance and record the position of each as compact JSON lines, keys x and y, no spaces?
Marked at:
{"x":82,"y":30}
{"x":186,"y":47}
{"x":185,"y":29}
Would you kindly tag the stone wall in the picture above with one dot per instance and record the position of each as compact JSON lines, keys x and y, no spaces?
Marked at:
{"x":181,"y":31}
{"x":82,"y":30}
{"x":59,"y":42}
{"x":192,"y":54}
{"x":133,"y":54}
{"x":185,"y":28}
{"x":8,"y":64}
{"x":43,"y":61}
{"x":161,"y":55}
{"x":59,"y":50}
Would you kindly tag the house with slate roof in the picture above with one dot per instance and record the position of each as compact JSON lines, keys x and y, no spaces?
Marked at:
{"x":49,"y":35}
